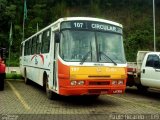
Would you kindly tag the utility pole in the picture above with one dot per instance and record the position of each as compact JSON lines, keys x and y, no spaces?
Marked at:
{"x":154,"y":27}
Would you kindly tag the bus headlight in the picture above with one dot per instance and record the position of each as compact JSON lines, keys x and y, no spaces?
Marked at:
{"x":80,"y":82}
{"x":120,"y":82}
{"x":114,"y":82}
{"x":117,"y":82}
{"x":73,"y":82}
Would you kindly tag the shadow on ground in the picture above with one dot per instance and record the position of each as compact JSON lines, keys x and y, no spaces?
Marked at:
{"x":150,"y":93}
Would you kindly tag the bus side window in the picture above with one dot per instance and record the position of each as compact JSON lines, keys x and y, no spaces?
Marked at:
{"x":34,"y":43}
{"x":26,"y":48}
{"x":38,"y":44}
{"x":46,"y":36}
{"x":30,"y":47}
{"x":21,"y":49}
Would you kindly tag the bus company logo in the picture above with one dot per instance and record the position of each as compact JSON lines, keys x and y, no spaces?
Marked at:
{"x":36,"y":56}
{"x":36,"y":61}
{"x":98,"y":69}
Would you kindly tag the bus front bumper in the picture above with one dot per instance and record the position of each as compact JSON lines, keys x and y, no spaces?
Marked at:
{"x":94,"y":90}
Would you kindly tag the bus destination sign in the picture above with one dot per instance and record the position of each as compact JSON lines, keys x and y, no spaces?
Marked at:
{"x":91,"y":25}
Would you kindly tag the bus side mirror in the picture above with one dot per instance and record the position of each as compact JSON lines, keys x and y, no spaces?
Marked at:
{"x":57,"y":37}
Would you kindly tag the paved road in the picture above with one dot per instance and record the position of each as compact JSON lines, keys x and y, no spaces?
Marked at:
{"x":29,"y":101}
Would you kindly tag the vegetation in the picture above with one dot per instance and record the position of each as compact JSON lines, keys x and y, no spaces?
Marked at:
{"x":13,"y":76}
{"x":135,"y":15}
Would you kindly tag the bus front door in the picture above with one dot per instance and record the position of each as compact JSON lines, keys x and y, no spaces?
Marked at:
{"x":54,"y":64}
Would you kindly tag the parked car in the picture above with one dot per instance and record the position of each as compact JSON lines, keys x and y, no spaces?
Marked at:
{"x":145,"y":73}
{"x":2,"y":68}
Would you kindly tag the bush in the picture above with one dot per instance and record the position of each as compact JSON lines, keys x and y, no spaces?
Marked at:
{"x":13,"y":76}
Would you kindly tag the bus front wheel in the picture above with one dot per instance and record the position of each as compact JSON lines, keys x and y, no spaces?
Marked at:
{"x":50,"y":94}
{"x":26,"y":80}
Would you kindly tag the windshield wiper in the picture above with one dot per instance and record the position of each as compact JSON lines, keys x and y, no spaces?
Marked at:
{"x":106,"y":56}
{"x":85,"y":57}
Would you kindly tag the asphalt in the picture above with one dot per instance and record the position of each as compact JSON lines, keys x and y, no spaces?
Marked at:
{"x":20,"y":101}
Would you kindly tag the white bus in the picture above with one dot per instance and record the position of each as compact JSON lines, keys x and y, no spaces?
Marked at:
{"x":76,"y":56}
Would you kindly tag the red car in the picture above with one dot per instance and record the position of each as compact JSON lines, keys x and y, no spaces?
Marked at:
{"x":2,"y":69}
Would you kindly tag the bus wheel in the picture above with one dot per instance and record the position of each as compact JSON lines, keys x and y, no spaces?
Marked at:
{"x":26,"y":80}
{"x":49,"y":92}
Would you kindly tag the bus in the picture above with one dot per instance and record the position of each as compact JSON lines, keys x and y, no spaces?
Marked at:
{"x":76,"y":56}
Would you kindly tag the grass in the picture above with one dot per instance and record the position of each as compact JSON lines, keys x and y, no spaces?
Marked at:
{"x":13,"y":76}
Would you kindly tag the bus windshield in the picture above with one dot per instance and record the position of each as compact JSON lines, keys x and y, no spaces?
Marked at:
{"x":91,"y":46}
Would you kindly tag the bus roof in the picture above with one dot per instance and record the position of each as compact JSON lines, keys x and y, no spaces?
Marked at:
{"x":89,"y":19}
{"x":76,"y":18}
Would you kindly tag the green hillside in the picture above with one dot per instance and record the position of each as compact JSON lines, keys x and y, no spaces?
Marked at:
{"x":135,"y":16}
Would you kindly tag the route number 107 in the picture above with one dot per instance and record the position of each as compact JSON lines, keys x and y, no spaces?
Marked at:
{"x":78,"y":25}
